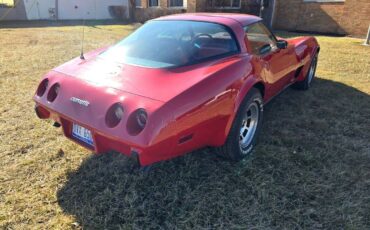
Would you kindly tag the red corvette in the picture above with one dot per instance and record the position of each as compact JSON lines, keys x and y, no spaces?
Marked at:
{"x":178,"y":83}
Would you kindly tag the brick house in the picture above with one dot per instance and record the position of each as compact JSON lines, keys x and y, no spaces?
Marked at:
{"x":345,"y":17}
{"x":327,"y":16}
{"x":147,"y":9}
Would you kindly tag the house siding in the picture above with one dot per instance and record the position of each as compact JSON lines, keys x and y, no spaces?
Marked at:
{"x":351,"y":17}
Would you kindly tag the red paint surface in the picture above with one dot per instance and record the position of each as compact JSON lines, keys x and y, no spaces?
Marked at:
{"x":194,"y":103}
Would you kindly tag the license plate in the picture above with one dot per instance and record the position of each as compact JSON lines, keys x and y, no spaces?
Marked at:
{"x":82,"y":134}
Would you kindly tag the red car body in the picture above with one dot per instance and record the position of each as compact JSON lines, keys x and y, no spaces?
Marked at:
{"x":188,"y":107}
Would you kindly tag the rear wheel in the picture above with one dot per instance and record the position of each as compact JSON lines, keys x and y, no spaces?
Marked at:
{"x":244,"y":131}
{"x":306,"y":83}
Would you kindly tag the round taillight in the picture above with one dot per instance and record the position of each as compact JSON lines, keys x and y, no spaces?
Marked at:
{"x":137,"y":121}
{"x":141,"y":118}
{"x":114,"y":115}
{"x":53,"y":92}
{"x":42,"y":87}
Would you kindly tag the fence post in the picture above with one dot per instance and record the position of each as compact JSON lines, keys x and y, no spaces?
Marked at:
{"x":367,"y":41}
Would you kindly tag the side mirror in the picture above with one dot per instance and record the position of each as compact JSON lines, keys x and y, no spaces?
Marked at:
{"x":265,"y":49}
{"x":282,"y":44}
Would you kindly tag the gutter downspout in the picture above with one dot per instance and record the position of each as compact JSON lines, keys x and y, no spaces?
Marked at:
{"x":261,"y":8}
{"x":367,"y":41}
{"x":57,"y":10}
{"x":273,"y":15}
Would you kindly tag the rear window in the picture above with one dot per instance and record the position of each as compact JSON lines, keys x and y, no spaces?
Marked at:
{"x":161,"y":44}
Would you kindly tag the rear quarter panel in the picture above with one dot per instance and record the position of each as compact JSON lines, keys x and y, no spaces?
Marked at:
{"x":305,"y":49}
{"x":201,"y":116}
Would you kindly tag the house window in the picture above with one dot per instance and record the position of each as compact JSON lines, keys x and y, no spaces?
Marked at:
{"x":6,"y":3}
{"x":224,"y":4}
{"x":153,"y":3}
{"x":138,"y":3}
{"x":176,"y":3}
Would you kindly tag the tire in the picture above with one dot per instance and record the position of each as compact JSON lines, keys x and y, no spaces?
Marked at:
{"x":236,"y":147}
{"x":306,"y":83}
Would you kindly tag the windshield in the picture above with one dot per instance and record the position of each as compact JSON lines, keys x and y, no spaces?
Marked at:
{"x":161,"y":44}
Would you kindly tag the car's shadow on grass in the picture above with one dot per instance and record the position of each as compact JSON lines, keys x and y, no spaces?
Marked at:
{"x":311,"y":169}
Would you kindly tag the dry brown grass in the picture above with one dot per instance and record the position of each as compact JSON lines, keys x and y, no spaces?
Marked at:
{"x":311,"y":169}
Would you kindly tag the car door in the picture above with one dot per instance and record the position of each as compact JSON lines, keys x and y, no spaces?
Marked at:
{"x":275,"y":64}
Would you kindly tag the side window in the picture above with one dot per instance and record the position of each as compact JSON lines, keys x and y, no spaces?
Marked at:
{"x":258,"y":36}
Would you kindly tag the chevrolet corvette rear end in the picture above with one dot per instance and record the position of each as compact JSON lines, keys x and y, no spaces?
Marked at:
{"x":177,"y":84}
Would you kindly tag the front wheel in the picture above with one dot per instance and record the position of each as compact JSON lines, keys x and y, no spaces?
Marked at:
{"x":245,"y":128}
{"x":306,"y":83}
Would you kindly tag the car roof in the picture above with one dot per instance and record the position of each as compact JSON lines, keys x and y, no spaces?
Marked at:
{"x":221,"y":18}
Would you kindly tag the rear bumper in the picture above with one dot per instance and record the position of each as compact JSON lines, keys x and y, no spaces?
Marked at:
{"x":103,"y":142}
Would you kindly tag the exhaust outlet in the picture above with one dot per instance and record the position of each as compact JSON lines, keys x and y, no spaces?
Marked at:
{"x":56,"y":125}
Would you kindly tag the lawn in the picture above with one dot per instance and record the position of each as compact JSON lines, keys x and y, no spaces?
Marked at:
{"x":311,"y":169}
